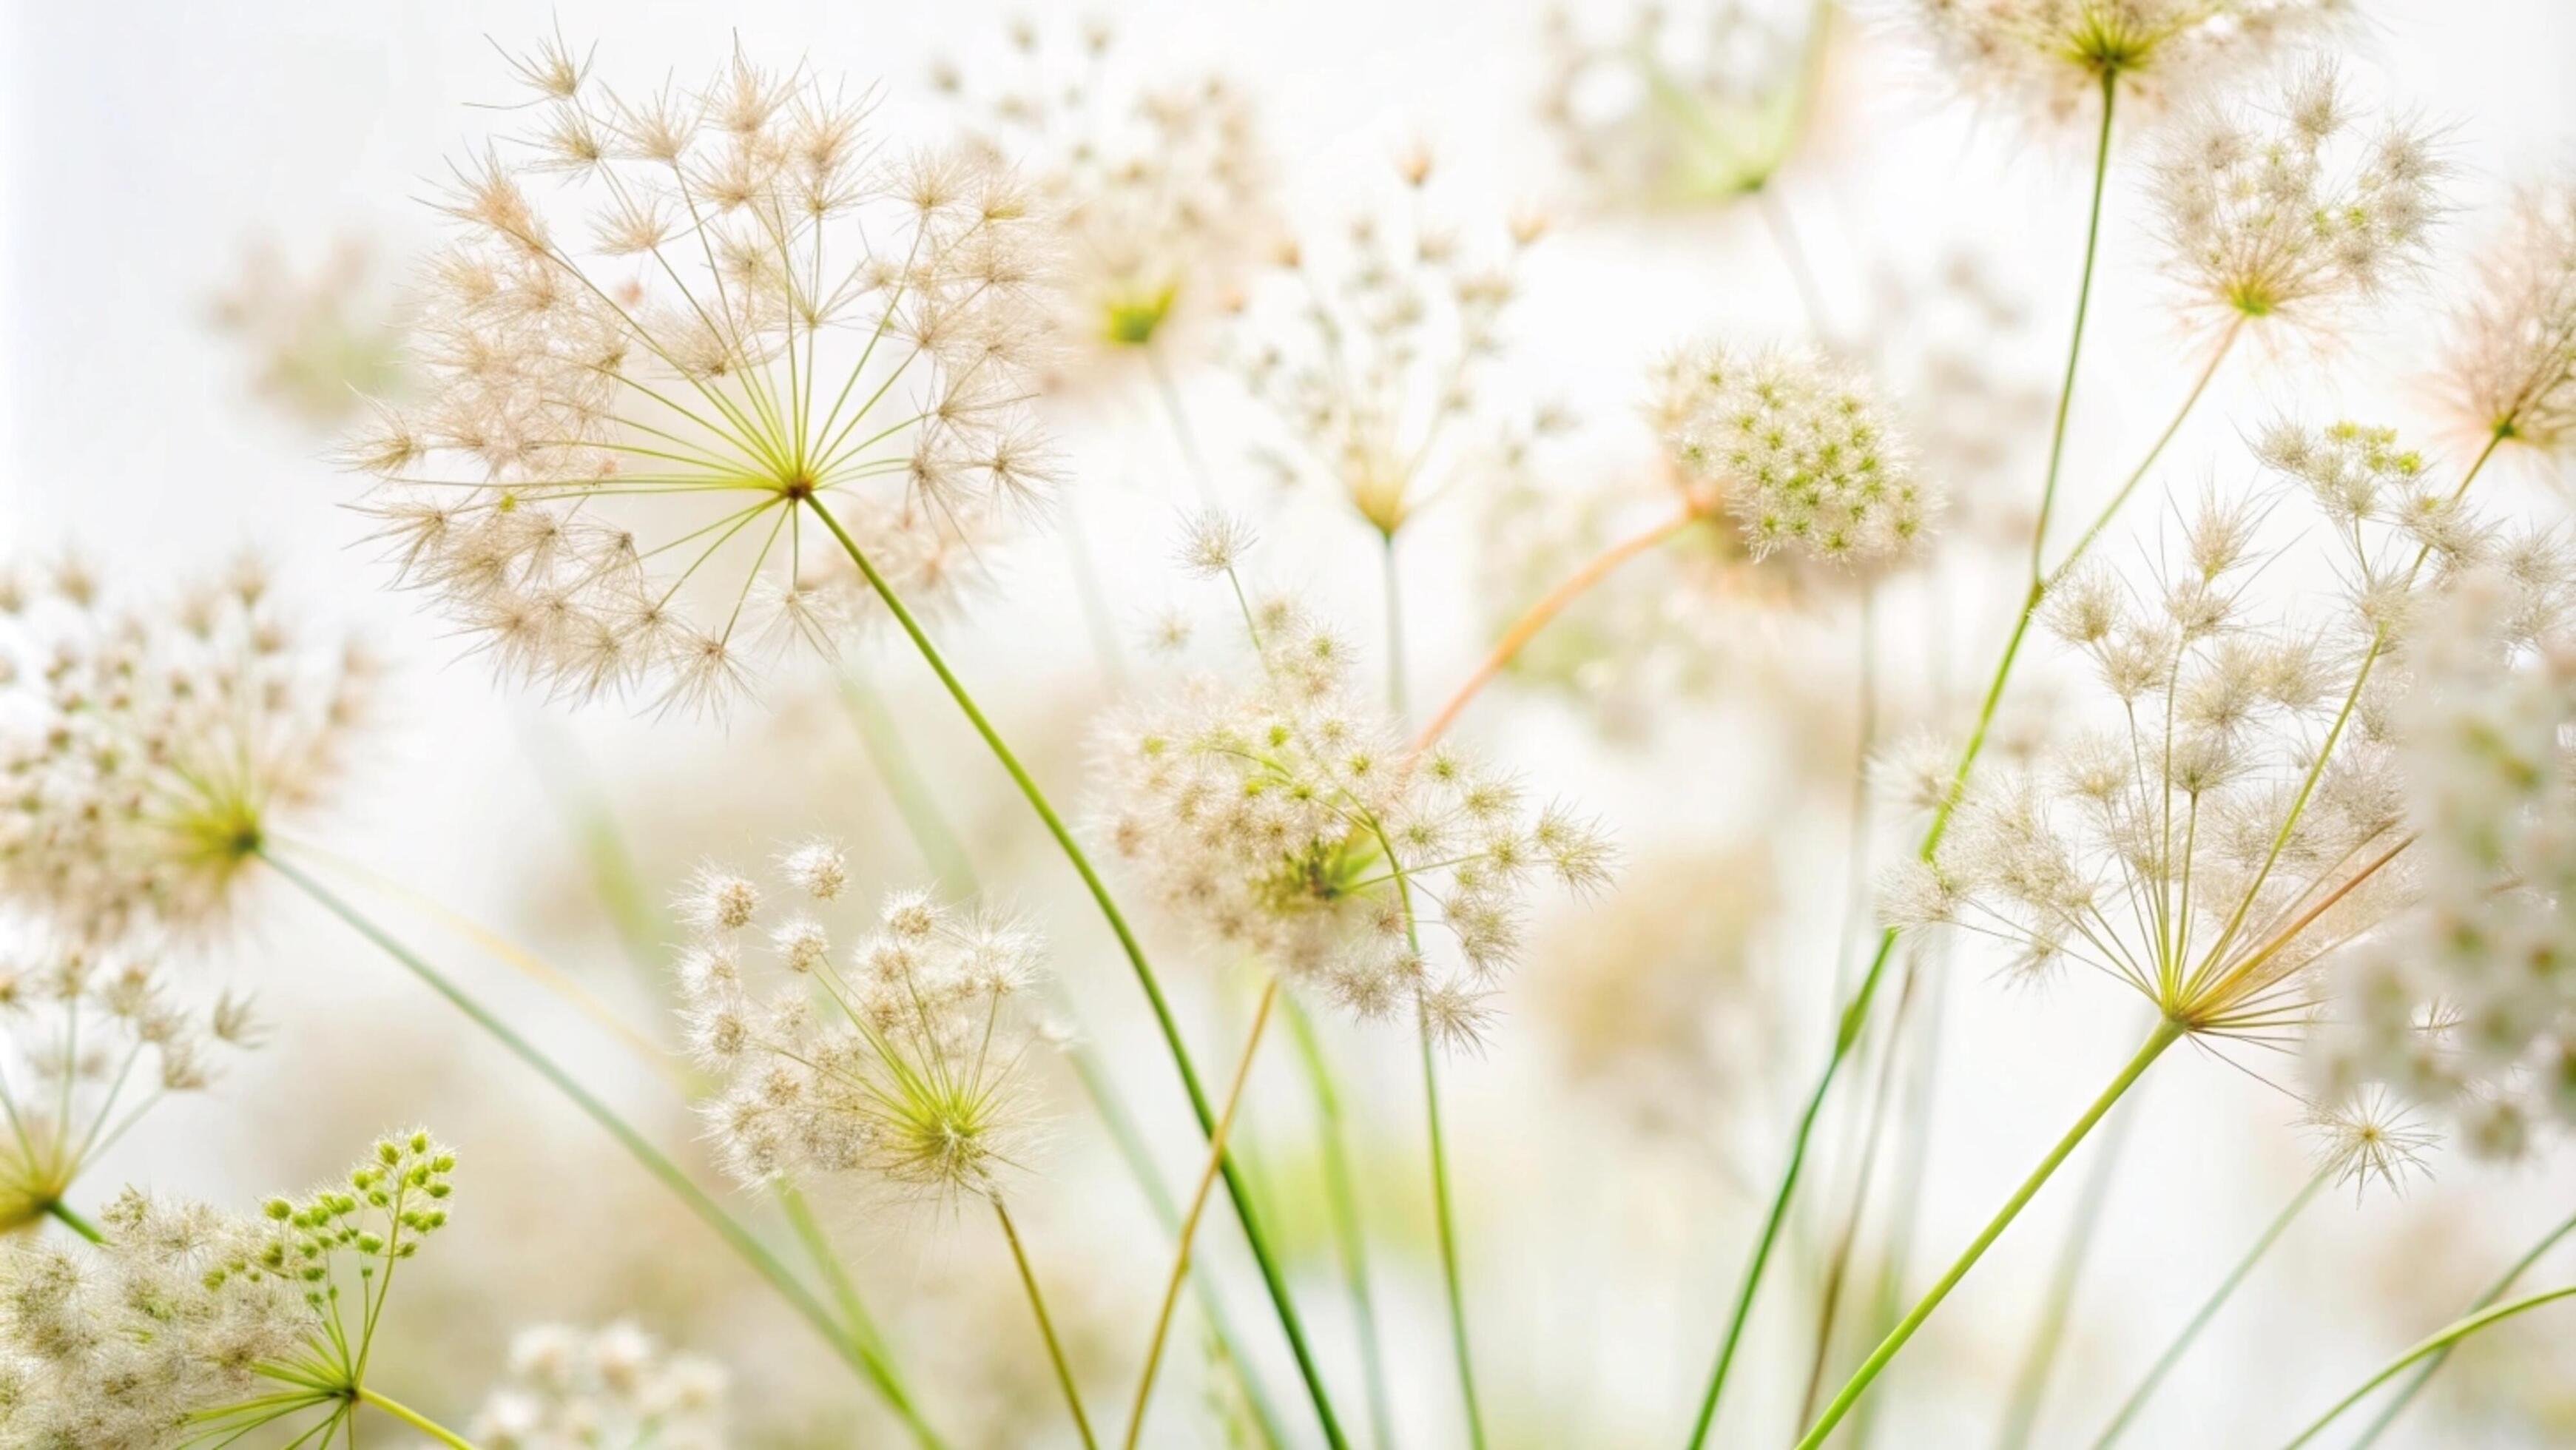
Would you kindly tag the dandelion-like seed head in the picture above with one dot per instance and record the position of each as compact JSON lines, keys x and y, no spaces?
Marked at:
{"x":2056,"y":55}
{"x":2369,"y":1136}
{"x":1795,"y":455}
{"x":2284,"y":209}
{"x":678,"y":336}
{"x":149,"y":746}
{"x":903,"y":1056}
{"x":2512,"y":358}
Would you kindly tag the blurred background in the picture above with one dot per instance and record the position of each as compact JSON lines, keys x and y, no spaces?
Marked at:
{"x":211,"y":213}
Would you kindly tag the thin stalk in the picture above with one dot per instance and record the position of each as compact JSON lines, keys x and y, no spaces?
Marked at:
{"x":2165,"y":1035}
{"x":1170,"y":393}
{"x":818,"y":1247}
{"x":1394,"y":626}
{"x":922,"y":818}
{"x":1046,"y":1327}
{"x":1449,"y":1245}
{"x":874,"y":1368}
{"x":1913,"y":1167}
{"x":2438,"y":1343}
{"x":1536,"y":617}
{"x":1348,"y":1234}
{"x":1838,"y":1261}
{"x":2129,"y":485}
{"x":1096,"y":619}
{"x":2173,"y":1354}
{"x":1198,"y":1204}
{"x":2494,"y":1291}
{"x":415,"y":1419}
{"x":63,"y":1214}
{"x":1236,"y":1193}
{"x":1847,"y":1028}
{"x":1784,"y":236}
{"x":2030,"y":1387}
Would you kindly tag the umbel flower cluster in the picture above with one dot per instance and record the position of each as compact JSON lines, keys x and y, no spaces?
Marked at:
{"x":1795,"y":453}
{"x":2471,"y":1003}
{"x":675,"y":334}
{"x":94,"y":1042}
{"x":2056,"y":55}
{"x":905,"y":1056}
{"x":189,"y":1325}
{"x":581,"y":1389}
{"x":2512,"y":364}
{"x":1160,"y":193}
{"x":2282,"y":211}
{"x":1291,"y":821}
{"x":1684,"y":105}
{"x":146,"y":745}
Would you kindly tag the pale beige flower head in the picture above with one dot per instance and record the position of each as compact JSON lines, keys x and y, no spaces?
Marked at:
{"x":2060,"y":56}
{"x":570,"y":1389}
{"x":684,"y":342}
{"x":2511,"y":364}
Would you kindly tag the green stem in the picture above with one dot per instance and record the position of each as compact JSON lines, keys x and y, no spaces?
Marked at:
{"x":2164,"y":1036}
{"x":1442,"y":1218}
{"x":2083,"y":304}
{"x":1170,"y":393}
{"x":1394,"y":627}
{"x":2030,"y":1387}
{"x":1348,"y":1233}
{"x":2494,"y":1292}
{"x":1914,"y":1165}
{"x":1236,"y":1193}
{"x":2129,"y":485}
{"x":2440,"y":1342}
{"x":1838,"y":1261}
{"x":922,"y":819}
{"x":1046,"y":1327}
{"x":818,"y":1247}
{"x":2209,"y":1310}
{"x":878,"y":1372}
{"x":63,"y":1214}
{"x":415,"y":1419}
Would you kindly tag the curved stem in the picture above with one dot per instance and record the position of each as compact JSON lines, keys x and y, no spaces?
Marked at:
{"x":1236,"y":1193}
{"x":2129,"y":485}
{"x":62,"y":1213}
{"x":2493,"y":1292}
{"x":2083,"y":304}
{"x":2209,"y":1310}
{"x":2440,"y":1341}
{"x":1198,"y":1204}
{"x":1838,"y":1263}
{"x":1443,"y":1219}
{"x":2030,"y":1387}
{"x":1046,"y":1326}
{"x":1535,"y":618}
{"x":2164,"y":1036}
{"x":878,"y":1372}
{"x":1348,"y":1233}
{"x":415,"y":1419}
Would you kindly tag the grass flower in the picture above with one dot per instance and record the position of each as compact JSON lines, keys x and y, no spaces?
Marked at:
{"x":149,"y":746}
{"x":670,"y":325}
{"x":2512,"y":359}
{"x":1686,"y":105}
{"x":193,"y":1326}
{"x":1160,"y":192}
{"x":576,"y":1389}
{"x":95,"y":1044}
{"x":2290,"y":208}
{"x":2055,"y":54}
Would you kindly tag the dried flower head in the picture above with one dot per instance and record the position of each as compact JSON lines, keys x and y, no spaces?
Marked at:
{"x":1285,"y":818}
{"x":1794,"y":454}
{"x":318,"y":339}
{"x":148,"y":747}
{"x":904,"y":1058}
{"x":671,"y":327}
{"x":2471,"y":1004}
{"x":602,"y":1389}
{"x":2370,"y":1135}
{"x":190,"y":1325}
{"x":2058,"y":55}
{"x":1371,"y":355}
{"x":2282,"y":210}
{"x":93,"y":1044}
{"x":2512,"y":364}
{"x":1160,"y":192}
{"x":1686,"y":105}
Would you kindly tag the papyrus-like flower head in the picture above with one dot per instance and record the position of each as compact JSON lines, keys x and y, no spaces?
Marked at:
{"x":675,"y":329}
{"x":1794,"y":453}
{"x":148,"y":745}
{"x":2057,"y":55}
{"x":903,"y":1055}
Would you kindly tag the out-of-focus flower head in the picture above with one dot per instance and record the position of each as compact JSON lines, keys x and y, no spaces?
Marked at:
{"x":905,"y":1058}
{"x":1159,"y":190}
{"x":190,"y":1324}
{"x":602,"y":1389}
{"x":1688,"y":105}
{"x":676,"y":329}
{"x":1372,"y":352}
{"x":2057,"y":56}
{"x":2287,"y":209}
{"x":2511,"y":365}
{"x":320,"y":340}
{"x":147,"y":746}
